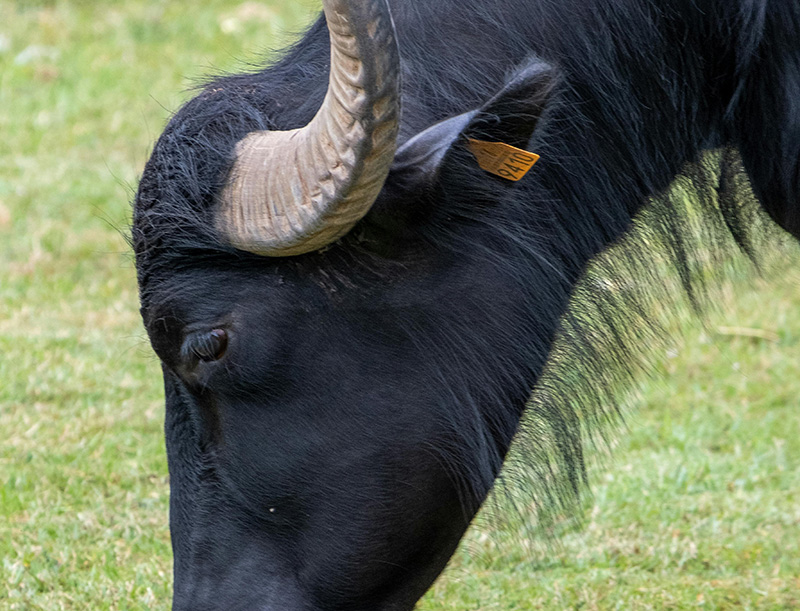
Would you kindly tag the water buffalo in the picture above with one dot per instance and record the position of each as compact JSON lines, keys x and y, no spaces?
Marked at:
{"x":353,"y":289}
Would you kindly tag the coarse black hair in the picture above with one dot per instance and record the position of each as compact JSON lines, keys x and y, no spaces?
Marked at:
{"x":672,"y":137}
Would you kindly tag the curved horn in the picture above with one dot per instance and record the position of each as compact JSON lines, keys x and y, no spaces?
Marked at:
{"x":292,"y":192}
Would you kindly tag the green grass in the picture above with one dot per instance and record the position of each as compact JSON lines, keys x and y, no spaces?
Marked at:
{"x":699,"y":506}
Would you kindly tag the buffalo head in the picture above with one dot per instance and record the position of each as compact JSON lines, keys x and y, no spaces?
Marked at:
{"x":342,"y":343}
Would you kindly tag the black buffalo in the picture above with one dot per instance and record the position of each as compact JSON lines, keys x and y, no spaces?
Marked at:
{"x":351,"y":316}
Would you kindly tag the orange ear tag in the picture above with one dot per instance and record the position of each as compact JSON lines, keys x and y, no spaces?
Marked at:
{"x":502,"y":159}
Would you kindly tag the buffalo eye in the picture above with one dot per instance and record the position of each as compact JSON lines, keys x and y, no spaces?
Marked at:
{"x":207,"y":347}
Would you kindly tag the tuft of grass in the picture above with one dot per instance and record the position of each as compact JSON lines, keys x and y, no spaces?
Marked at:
{"x":698,"y":506}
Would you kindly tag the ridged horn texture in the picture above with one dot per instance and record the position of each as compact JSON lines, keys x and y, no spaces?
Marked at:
{"x":293,"y":192}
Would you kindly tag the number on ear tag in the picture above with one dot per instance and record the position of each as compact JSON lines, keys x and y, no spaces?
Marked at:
{"x":502,"y":159}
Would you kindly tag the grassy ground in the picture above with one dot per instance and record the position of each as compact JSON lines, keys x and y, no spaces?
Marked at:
{"x":700,"y":505}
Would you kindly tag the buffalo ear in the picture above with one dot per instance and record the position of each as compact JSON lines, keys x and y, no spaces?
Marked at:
{"x":511,"y":117}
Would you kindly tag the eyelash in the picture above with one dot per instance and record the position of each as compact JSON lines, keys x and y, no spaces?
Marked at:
{"x":206,"y":347}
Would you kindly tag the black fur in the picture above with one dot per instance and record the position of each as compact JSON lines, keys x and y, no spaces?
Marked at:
{"x":437,"y":326}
